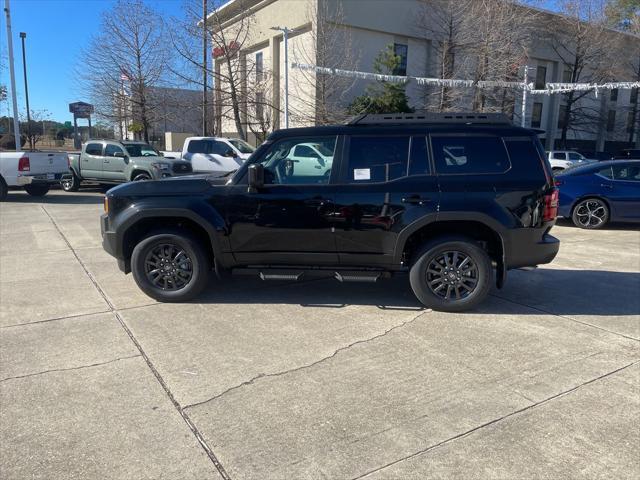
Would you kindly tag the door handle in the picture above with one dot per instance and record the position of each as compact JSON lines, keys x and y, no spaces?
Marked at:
{"x":605,"y":185}
{"x":106,"y":161}
{"x":415,"y":200}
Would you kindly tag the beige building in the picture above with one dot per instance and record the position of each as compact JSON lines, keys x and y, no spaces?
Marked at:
{"x":349,"y":34}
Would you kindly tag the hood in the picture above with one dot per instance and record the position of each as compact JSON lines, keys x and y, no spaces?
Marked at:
{"x":184,"y":185}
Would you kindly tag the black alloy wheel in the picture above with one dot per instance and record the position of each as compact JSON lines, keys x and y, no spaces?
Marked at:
{"x":171,"y":266}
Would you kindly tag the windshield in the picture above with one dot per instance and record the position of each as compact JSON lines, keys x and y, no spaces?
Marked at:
{"x":141,"y":150}
{"x":241,"y":145}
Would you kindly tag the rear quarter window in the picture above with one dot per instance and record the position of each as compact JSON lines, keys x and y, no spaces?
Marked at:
{"x":93,"y":149}
{"x":476,"y":154}
{"x":526,"y":155}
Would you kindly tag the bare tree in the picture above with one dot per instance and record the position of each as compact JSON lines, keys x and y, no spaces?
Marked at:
{"x":584,"y":45}
{"x":320,"y":98}
{"x":127,"y":57}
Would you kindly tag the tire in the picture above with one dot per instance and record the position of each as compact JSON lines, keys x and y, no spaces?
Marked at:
{"x":459,"y":261}
{"x":159,"y":253}
{"x":590,"y":214}
{"x":70,"y":184}
{"x":37,"y":190}
{"x":141,"y":177}
{"x":4,"y":190}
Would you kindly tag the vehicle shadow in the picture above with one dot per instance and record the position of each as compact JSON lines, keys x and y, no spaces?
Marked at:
{"x":560,"y":292}
{"x":62,"y":198}
{"x":566,"y":222}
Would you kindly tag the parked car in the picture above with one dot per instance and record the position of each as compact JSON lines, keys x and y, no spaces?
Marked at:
{"x":562,"y":159}
{"x":213,"y":154}
{"x":594,"y":195}
{"x":311,"y":159}
{"x":112,"y":162}
{"x":443,"y":198}
{"x":33,"y":171}
{"x":628,"y":154}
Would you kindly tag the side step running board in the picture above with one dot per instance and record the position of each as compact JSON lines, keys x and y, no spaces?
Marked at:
{"x":366,"y":277}
{"x":292,"y":277}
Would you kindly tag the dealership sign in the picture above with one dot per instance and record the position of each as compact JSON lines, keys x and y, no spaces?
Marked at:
{"x":230,"y":49}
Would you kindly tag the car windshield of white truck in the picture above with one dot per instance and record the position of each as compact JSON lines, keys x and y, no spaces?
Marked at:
{"x":241,"y":145}
{"x":141,"y":150}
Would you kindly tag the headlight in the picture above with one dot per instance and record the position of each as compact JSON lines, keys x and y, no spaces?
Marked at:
{"x":160,"y":165}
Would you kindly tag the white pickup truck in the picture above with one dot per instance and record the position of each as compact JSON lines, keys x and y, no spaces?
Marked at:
{"x":33,"y":171}
{"x":213,"y":154}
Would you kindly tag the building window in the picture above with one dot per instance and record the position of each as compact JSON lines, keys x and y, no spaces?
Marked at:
{"x":536,"y":115}
{"x":631,"y":120}
{"x":566,"y":76}
{"x":259,"y":66}
{"x":402,"y":51}
{"x":611,"y":121}
{"x":260,"y":107}
{"x":541,"y":78}
{"x":562,"y":116}
{"x":634,"y":96}
{"x":614,"y":95}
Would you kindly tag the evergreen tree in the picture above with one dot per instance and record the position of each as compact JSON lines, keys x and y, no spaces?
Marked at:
{"x":383,"y":97}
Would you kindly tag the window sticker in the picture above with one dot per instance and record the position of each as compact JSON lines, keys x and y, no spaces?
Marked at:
{"x":362,"y":174}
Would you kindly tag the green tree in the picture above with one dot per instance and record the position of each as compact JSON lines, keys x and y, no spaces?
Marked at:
{"x":383,"y":96}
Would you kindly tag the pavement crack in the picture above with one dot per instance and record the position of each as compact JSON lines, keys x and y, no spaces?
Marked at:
{"x":497,"y":420}
{"x":310,"y":365}
{"x":542,"y":310}
{"x":154,"y":371}
{"x":69,"y":369}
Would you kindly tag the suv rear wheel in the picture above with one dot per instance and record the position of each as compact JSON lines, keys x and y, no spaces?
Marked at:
{"x":451,"y":275}
{"x":171,"y":266}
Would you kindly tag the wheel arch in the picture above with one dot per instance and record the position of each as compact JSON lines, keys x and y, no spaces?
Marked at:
{"x":485,"y":231}
{"x":141,"y":223}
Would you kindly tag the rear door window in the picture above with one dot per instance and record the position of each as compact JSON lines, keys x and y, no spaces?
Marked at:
{"x":93,"y":149}
{"x":477,"y":154}
{"x":559,"y":156}
{"x":377,"y":159}
{"x":606,"y":173}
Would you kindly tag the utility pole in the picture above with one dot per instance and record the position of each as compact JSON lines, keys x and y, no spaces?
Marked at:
{"x":204,"y":69}
{"x":23,"y":35}
{"x":285,"y":32}
{"x":12,"y":74}
{"x":525,"y":96}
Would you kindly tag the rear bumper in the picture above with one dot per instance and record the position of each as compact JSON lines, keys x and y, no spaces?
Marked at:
{"x":42,"y":179}
{"x":527,"y":247}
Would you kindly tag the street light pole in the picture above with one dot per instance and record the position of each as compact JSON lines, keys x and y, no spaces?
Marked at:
{"x":23,"y":35}
{"x":285,"y":32}
{"x":204,"y":69}
{"x":525,"y":95}
{"x":12,"y":74}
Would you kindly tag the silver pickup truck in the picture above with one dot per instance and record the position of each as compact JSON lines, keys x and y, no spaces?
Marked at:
{"x":112,"y":162}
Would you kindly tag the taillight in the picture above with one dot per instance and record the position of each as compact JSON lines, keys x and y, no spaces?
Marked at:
{"x":24,"y":165}
{"x":550,"y":206}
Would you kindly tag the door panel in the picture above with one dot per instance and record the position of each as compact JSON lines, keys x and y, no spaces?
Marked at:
{"x":91,"y":160}
{"x":290,"y":220}
{"x":386,"y":187}
{"x":113,"y":166}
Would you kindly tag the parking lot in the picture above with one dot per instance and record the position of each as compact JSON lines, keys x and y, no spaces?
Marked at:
{"x":316,"y":379}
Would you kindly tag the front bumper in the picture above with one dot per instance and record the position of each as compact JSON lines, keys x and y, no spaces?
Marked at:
{"x":110,"y":244}
{"x":40,"y":178}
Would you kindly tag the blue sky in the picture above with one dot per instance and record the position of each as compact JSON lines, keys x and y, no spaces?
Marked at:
{"x":56,"y":32}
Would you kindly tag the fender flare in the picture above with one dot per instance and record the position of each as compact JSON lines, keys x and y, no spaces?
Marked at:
{"x":138,"y":213}
{"x":433,"y":218}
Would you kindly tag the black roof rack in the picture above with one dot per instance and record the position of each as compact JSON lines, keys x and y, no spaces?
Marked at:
{"x":430,"y":118}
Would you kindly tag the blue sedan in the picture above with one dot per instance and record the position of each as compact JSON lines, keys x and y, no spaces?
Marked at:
{"x":598,"y":193}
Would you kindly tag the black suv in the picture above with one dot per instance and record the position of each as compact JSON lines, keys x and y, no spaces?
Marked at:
{"x":447,"y":199}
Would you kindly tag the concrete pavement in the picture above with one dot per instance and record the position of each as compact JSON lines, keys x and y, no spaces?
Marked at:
{"x":310,"y":380}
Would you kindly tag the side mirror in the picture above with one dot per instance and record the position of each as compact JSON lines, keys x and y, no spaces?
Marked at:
{"x":256,"y":177}
{"x":230,"y":153}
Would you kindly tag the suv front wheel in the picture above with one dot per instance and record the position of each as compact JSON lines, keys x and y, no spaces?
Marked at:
{"x":451,"y":275}
{"x":171,"y":266}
